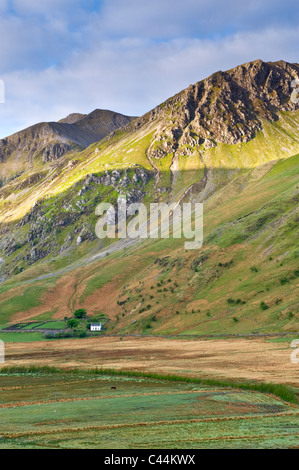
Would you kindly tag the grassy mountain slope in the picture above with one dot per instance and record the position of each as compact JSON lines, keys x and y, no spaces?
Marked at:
{"x":244,"y":279}
{"x":230,"y":141}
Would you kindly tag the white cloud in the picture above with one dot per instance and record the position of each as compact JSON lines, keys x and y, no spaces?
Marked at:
{"x":173,"y":18}
{"x":132,"y":76}
{"x":63,"y":56}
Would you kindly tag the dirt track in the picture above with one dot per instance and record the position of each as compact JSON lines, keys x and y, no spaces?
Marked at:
{"x":251,"y":359}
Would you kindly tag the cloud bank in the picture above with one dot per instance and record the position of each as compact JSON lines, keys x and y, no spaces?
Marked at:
{"x":64,"y":56}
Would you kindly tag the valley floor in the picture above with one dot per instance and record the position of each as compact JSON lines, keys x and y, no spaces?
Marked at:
{"x":267,"y":360}
{"x":41,"y":410}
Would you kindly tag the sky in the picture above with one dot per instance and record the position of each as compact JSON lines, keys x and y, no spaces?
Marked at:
{"x":63,"y":56}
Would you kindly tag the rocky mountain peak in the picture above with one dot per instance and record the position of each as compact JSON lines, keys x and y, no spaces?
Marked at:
{"x":227,"y":107}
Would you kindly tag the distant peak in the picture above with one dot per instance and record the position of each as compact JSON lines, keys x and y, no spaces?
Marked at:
{"x":72,"y":118}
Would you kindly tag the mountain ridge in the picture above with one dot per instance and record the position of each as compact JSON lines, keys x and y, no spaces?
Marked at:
{"x":229,"y":141}
{"x":267,"y":82}
{"x":52,"y":140}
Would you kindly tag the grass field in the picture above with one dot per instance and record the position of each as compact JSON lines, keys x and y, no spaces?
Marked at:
{"x":236,"y":359}
{"x":41,"y":410}
{"x":22,"y":337}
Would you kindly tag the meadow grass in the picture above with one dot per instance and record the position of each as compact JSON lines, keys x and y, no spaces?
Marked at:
{"x":27,"y":337}
{"x":28,"y":299}
{"x":282,"y":391}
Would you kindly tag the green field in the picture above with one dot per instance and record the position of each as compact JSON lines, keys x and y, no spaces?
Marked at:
{"x":66,"y":410}
{"x":16,"y":337}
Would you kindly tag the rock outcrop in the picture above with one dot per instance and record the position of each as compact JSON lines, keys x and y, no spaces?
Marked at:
{"x":227,"y":107}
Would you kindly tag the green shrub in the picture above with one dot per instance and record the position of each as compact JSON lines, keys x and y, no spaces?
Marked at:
{"x":18,"y":270}
{"x":237,"y":301}
{"x":82,"y":333}
{"x":73,"y":323}
{"x":80,"y":313}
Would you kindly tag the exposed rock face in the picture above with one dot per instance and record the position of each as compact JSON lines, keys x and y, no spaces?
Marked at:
{"x":54,"y":151}
{"x":36,"y":233}
{"x":228,"y":107}
{"x":116,"y":178}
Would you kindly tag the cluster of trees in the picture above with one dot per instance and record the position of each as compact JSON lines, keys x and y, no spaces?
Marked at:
{"x":76,"y":326}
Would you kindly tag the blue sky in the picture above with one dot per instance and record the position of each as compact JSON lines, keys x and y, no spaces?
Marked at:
{"x":64,"y":56}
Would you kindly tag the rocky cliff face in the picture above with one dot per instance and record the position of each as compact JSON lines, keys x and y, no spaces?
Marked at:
{"x":55,"y":226}
{"x":228,"y":107}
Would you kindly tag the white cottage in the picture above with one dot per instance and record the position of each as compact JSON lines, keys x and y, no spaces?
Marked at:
{"x":96,"y":327}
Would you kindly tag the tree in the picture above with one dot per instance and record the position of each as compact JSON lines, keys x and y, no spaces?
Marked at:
{"x":80,"y":313}
{"x":73,"y":323}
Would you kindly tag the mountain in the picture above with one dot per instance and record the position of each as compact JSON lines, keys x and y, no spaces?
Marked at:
{"x":72,"y":118}
{"x":230,"y":141}
{"x":49,"y":141}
